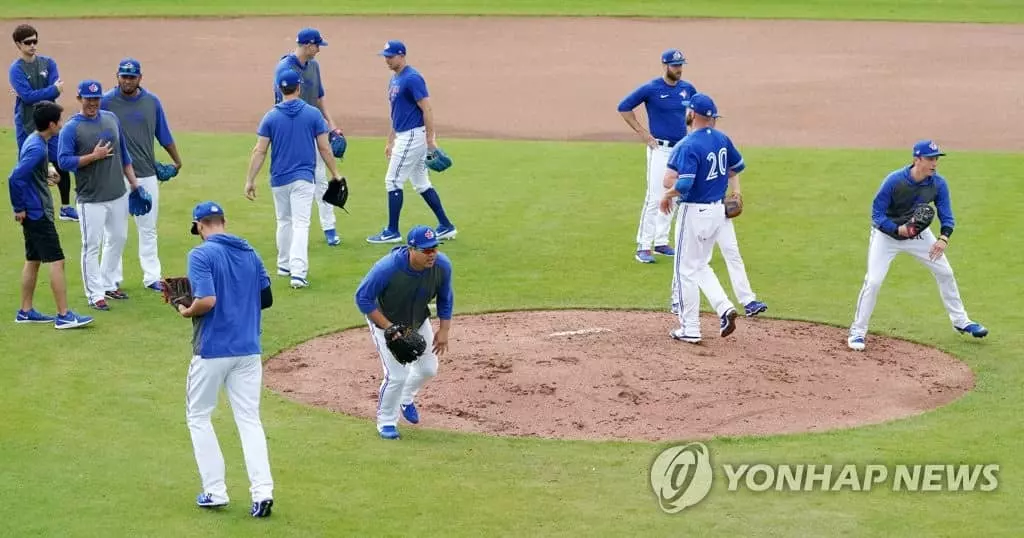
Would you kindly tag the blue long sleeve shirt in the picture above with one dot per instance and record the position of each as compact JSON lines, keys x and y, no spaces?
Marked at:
{"x":899,"y":193}
{"x":402,"y":294}
{"x":32,"y":82}
{"x":28,"y":187}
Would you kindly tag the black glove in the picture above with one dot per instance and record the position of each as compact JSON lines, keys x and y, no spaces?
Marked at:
{"x":920,"y":219}
{"x":337,"y":192}
{"x":405,"y":344}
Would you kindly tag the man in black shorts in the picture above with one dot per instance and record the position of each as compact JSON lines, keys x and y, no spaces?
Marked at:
{"x":33,"y":209}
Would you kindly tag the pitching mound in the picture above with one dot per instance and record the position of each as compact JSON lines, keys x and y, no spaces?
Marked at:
{"x":618,"y":375}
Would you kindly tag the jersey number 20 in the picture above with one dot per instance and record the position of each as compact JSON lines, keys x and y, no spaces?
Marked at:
{"x":717,"y":164}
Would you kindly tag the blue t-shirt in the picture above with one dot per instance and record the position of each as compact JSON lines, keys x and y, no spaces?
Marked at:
{"x":292,"y":127}
{"x":406,"y":88}
{"x":665,"y":104}
{"x":703,"y":161}
{"x":226,"y":267}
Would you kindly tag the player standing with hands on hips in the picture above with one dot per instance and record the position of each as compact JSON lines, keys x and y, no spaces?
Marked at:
{"x":393,"y":295}
{"x":665,"y":99}
{"x":699,"y":172}
{"x":93,"y":146}
{"x":229,"y":291}
{"x":411,"y":137}
{"x":295,"y":132}
{"x":894,"y":231}
{"x":142,"y":118}
{"x":302,"y":61}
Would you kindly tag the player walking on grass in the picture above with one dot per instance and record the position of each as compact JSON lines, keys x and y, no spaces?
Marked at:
{"x":33,"y":209}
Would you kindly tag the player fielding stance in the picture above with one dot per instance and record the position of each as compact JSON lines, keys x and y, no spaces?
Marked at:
{"x":225,"y":294}
{"x":905,"y":193}
{"x":394,"y":296}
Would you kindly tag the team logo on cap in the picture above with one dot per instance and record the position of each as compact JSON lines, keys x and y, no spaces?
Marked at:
{"x":94,"y":88}
{"x":428,"y":234}
{"x":933,"y":147}
{"x":215,"y":209}
{"x":677,"y":55}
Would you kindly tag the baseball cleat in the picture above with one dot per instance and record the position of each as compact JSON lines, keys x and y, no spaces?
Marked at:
{"x":855,"y":343}
{"x":206,"y":500}
{"x":298,"y":282}
{"x":665,"y":250}
{"x":446,"y":232}
{"x":332,"y":237}
{"x":674,"y":308}
{"x":976,"y":330}
{"x":32,"y":316}
{"x":677,"y":334}
{"x":100,"y":305}
{"x":385,"y":236}
{"x":728,"y":321}
{"x":754,"y":308}
{"x":283,"y":271}
{"x":156,"y":286}
{"x":389,"y":432}
{"x":410,"y":413}
{"x":644,"y":256}
{"x":262,"y":508}
{"x":117,"y":294}
{"x":68,"y":213}
{"x":71,"y":320}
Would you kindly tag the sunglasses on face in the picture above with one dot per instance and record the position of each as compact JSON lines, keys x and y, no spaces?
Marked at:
{"x":29,"y":42}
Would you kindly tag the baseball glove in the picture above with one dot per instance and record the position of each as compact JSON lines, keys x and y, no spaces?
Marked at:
{"x":338,"y":144}
{"x":404,"y":343}
{"x":165,"y":172}
{"x":177,"y":290}
{"x":139,"y":202}
{"x":438,"y":160}
{"x":920,"y":219}
{"x":733,"y":205}
{"x":337,"y":192}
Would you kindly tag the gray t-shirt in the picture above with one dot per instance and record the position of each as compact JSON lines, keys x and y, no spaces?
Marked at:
{"x":102,"y":180}
{"x":312,"y":87}
{"x":142,"y":120}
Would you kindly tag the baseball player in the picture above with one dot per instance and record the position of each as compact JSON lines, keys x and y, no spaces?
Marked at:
{"x":665,"y":99}
{"x":302,"y":61}
{"x":142,"y":118}
{"x":93,"y":146}
{"x":33,"y":209}
{"x":411,"y":136}
{"x":296,"y":132}
{"x":230,"y":290}
{"x":34,"y":78}
{"x":698,"y":174}
{"x":894,"y":203}
{"x":397,"y":290}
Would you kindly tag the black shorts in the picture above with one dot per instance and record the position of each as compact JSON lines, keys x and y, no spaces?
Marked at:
{"x":42,"y":244}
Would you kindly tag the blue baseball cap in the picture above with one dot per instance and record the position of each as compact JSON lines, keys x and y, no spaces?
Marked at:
{"x":422,"y":237}
{"x":129,"y":67}
{"x":310,"y":36}
{"x":288,"y":78}
{"x":393,"y":48}
{"x":673,"y":57}
{"x":927,"y":148}
{"x":88,"y":89}
{"x":702,"y":104}
{"x":203,"y":210}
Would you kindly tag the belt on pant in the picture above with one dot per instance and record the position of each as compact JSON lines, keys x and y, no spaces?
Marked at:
{"x":665,"y":143}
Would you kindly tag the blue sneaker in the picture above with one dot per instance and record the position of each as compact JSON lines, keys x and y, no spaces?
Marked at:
{"x":71,"y":320}
{"x":332,"y":237}
{"x":262,"y":508}
{"x":754,"y":308}
{"x":728,"y":322}
{"x":644,"y":256}
{"x":206,"y":500}
{"x":68,"y":213}
{"x":32,"y":316}
{"x":385,"y":236}
{"x":446,"y":232}
{"x":389,"y":432}
{"x":855,"y":343}
{"x":976,"y":330}
{"x":665,"y":250}
{"x":410,"y":413}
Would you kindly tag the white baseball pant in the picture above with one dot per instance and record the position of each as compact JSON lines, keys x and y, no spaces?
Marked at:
{"x":324,"y":209}
{"x":242,"y":379}
{"x":654,"y":225}
{"x":698,"y":229}
{"x":146,"y":224}
{"x":103,"y":225}
{"x":881,"y":251}
{"x":402,"y":382}
{"x":730,"y":248}
{"x":293,"y":205}
{"x":408,"y":161}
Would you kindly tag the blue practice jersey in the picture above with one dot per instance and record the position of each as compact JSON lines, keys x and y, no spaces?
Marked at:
{"x":666,"y":107}
{"x":406,"y":88}
{"x":703,"y":161}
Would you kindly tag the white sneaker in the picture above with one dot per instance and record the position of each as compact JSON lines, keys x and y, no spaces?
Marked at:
{"x":855,"y":343}
{"x":299,"y":282}
{"x":677,"y":334}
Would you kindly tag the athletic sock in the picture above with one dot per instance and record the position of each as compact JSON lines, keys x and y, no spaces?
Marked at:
{"x":395,"y":199}
{"x":434,"y":201}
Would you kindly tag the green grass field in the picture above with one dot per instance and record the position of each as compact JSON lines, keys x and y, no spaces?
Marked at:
{"x":1006,"y":11}
{"x":94,"y":441}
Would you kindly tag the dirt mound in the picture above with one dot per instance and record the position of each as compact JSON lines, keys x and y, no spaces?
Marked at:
{"x":618,"y":375}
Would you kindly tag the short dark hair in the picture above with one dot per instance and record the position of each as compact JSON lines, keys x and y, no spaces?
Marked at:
{"x":46,"y":112}
{"x":290,"y":90}
{"x":23,"y":32}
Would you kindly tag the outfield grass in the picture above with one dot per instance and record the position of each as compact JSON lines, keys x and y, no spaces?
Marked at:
{"x":94,"y":442}
{"x":989,"y":11}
